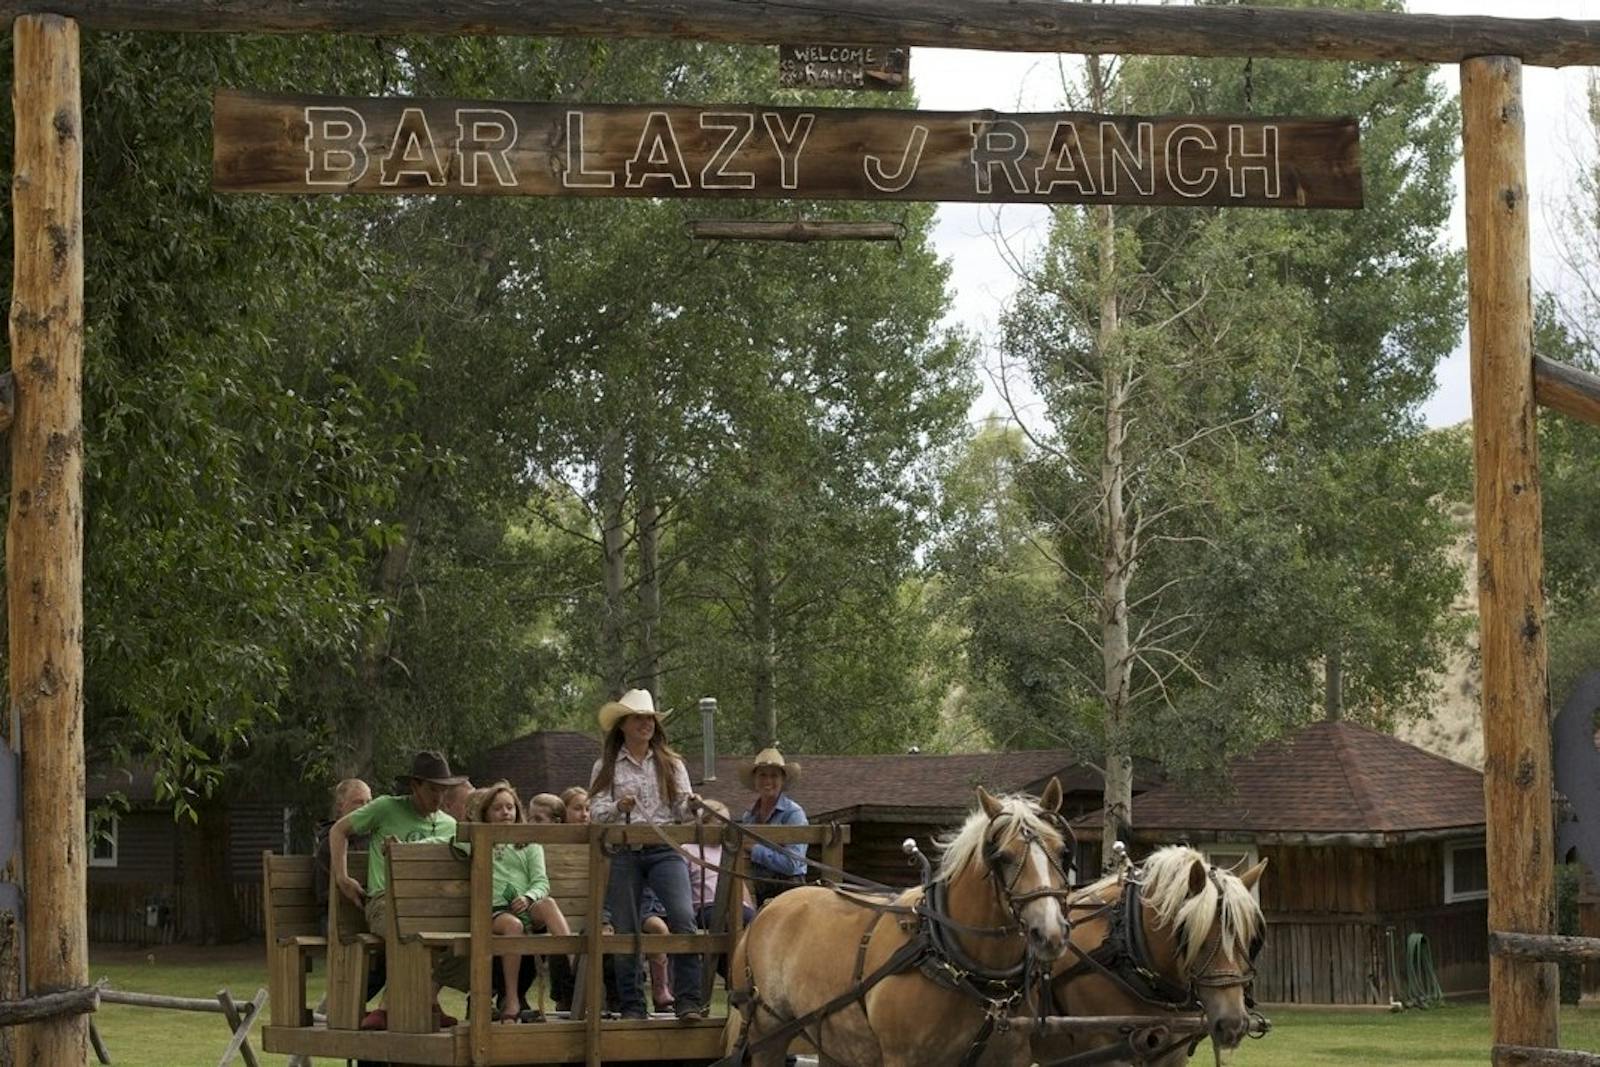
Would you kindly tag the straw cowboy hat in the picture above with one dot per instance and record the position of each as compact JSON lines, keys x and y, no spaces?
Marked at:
{"x":633,"y":702}
{"x":770,"y":757}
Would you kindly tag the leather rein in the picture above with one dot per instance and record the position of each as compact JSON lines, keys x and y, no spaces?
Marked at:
{"x":934,"y":949}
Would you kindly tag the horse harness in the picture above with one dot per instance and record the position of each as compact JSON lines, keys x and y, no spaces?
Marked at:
{"x":1124,"y":959}
{"x":932,"y":949}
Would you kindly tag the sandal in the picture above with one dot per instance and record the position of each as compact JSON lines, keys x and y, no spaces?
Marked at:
{"x":530,"y":1015}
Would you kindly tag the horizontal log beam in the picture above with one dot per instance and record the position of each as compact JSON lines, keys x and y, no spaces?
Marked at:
{"x":1545,"y":948}
{"x":799,"y":231}
{"x":157,"y":1000}
{"x":1523,"y":1056}
{"x":79,"y":1001}
{"x":994,"y":25}
{"x":1567,"y":389}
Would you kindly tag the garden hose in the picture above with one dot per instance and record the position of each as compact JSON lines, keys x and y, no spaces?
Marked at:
{"x":1419,"y":985}
{"x":1422,"y":982}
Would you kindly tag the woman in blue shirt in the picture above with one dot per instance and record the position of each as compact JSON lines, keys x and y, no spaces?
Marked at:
{"x":773,"y":869}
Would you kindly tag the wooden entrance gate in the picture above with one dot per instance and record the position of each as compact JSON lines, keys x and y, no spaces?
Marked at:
{"x":45,"y":524}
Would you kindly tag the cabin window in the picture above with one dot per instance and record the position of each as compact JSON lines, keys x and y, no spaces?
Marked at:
{"x":102,"y":840}
{"x":1235,"y":858}
{"x":1466,"y":872}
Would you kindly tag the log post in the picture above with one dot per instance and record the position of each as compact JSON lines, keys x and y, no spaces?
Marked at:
{"x":1516,"y":699}
{"x":44,"y":533}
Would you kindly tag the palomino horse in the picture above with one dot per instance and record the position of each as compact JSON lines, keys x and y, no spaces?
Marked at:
{"x":1172,"y":937}
{"x":915,"y":979}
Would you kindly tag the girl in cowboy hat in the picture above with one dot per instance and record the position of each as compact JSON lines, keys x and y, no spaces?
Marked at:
{"x":639,"y":778}
{"x":773,"y":869}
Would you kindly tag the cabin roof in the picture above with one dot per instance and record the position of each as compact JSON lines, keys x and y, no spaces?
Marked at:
{"x":1328,"y":778}
{"x":830,"y":785}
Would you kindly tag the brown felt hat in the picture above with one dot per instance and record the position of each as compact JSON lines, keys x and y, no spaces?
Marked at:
{"x":433,"y":767}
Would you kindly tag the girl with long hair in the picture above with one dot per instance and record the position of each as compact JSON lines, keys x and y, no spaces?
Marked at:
{"x":639,"y":778}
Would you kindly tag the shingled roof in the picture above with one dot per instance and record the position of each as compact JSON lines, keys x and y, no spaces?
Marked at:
{"x":1328,"y":778}
{"x":831,"y":786}
{"x":545,"y":761}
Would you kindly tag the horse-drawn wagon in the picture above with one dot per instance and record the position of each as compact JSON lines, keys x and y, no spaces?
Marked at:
{"x":995,"y":960}
{"x":441,"y":905}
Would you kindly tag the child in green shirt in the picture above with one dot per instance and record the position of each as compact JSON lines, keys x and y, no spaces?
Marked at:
{"x":522,"y":902}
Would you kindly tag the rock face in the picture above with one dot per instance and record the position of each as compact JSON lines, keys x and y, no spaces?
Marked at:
{"x":1455,"y":727}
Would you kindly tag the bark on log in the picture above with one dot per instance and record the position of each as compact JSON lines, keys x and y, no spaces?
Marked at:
{"x":1516,"y":726}
{"x":799,"y":231}
{"x":1567,"y":389}
{"x":1523,"y":1056}
{"x":44,"y":533}
{"x":994,"y":25}
{"x":1549,"y":948}
{"x":49,"y":1006}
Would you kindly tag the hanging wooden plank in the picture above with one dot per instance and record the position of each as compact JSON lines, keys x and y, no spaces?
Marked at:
{"x":992,"y":25}
{"x":312,"y":144}
{"x":1516,"y":692}
{"x":44,"y":532}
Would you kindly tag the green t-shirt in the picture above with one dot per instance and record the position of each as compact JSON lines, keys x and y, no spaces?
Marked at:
{"x":519,"y":872}
{"x":395,"y":817}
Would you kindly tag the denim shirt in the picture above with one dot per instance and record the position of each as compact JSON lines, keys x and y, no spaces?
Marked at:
{"x":790,"y":859}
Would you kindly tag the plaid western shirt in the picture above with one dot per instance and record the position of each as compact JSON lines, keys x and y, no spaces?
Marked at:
{"x":639,"y":778}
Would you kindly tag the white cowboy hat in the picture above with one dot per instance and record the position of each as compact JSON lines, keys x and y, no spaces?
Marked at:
{"x":633,"y":702}
{"x":770,"y":757}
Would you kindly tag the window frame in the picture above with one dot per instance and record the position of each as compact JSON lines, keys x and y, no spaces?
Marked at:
{"x":1252,"y":856}
{"x":106,"y":829}
{"x":1451,"y":894}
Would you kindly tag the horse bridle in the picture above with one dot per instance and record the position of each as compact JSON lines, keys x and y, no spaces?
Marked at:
{"x":1006,"y":891}
{"x":1201,"y":978}
{"x":1124,"y":957}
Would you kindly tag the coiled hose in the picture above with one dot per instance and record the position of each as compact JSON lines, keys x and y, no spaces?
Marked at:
{"x":1419,"y":983}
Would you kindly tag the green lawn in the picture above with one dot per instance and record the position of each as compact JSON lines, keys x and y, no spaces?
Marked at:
{"x":146,"y":1037}
{"x":1454,"y":1034}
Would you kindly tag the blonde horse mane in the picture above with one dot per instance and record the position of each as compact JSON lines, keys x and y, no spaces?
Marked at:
{"x":966,"y":844}
{"x":1165,"y":880}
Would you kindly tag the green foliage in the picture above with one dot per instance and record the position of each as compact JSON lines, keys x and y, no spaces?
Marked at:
{"x":1286,"y":510}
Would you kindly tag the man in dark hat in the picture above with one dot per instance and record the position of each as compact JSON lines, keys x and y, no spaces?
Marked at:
{"x":413,"y":814}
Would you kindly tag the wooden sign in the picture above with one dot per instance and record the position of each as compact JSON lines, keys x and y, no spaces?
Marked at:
{"x":301,"y":144}
{"x":842,"y":66}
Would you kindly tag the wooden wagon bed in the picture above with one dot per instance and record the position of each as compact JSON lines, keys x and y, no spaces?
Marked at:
{"x":440,"y":904}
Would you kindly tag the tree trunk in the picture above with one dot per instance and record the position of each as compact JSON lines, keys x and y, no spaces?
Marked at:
{"x":611,"y":486}
{"x":764,"y":724}
{"x":1333,"y":685}
{"x":44,"y":531}
{"x":649,"y":569}
{"x":392,"y":569}
{"x":210,"y":913}
{"x":1116,"y":562}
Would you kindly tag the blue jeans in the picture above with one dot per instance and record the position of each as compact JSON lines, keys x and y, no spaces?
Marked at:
{"x":664,"y":871}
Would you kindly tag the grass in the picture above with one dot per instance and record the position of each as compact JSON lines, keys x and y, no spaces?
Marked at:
{"x":1457,"y":1034}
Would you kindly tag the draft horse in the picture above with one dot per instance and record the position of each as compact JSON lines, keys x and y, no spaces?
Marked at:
{"x":1172,"y":937}
{"x":916,"y":980}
